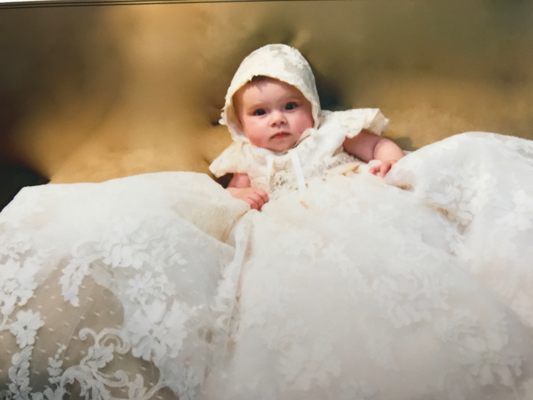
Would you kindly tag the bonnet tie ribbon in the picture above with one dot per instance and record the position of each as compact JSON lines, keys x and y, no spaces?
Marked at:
{"x":270,"y":170}
{"x":297,"y":170}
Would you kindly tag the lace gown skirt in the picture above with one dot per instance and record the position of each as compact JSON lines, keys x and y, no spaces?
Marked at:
{"x":483,"y":184}
{"x":350,"y":289}
{"x":353,"y":290}
{"x":113,"y":290}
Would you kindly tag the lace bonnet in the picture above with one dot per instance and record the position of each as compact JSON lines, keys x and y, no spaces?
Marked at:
{"x":277,"y":61}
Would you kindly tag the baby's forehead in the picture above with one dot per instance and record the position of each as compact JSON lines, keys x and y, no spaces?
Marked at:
{"x":260,"y":82}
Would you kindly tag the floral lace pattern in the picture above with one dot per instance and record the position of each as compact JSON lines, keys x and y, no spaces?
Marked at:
{"x":415,"y":315}
{"x":482,"y":189}
{"x":348,"y":289}
{"x":136,"y":311}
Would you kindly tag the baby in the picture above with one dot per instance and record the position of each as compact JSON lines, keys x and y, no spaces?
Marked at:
{"x":273,"y":113}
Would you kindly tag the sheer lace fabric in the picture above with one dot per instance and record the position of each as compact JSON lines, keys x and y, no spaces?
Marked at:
{"x":482,"y":183}
{"x":164,"y":286}
{"x":345,"y":286}
{"x":100,"y":294}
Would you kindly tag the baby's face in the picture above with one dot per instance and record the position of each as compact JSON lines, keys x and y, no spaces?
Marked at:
{"x":272,"y":114}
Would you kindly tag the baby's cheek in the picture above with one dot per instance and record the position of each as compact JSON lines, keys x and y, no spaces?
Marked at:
{"x":307,"y":120}
{"x":256,"y":138}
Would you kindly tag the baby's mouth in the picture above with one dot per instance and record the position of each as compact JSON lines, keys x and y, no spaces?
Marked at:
{"x":280,"y":135}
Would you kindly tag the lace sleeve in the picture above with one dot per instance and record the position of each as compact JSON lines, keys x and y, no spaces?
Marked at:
{"x":231,"y":160}
{"x":336,"y":126}
{"x":354,"y":121}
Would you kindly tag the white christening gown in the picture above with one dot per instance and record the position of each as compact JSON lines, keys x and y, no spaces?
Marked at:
{"x":419,"y":286}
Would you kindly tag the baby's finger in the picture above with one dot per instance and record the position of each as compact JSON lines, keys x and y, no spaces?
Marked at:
{"x":252,"y":202}
{"x":253,"y":205}
{"x":389,"y":167}
{"x":260,"y":201}
{"x":262,"y":194}
{"x":257,"y":201}
{"x":374,"y":166}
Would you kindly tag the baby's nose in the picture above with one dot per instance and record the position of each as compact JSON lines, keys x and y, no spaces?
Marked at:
{"x":278,"y":118}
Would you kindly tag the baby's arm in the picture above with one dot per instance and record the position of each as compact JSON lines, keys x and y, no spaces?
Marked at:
{"x":240,"y":187}
{"x":368,"y":146}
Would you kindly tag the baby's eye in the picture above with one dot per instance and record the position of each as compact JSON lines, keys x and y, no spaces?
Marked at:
{"x":291,"y":105}
{"x":259,"y":111}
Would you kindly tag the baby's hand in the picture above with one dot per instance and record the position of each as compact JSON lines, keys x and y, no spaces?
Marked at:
{"x":380,"y":168}
{"x":255,"y":198}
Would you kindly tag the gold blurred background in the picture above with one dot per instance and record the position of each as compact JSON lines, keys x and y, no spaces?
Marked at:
{"x":88,"y":93}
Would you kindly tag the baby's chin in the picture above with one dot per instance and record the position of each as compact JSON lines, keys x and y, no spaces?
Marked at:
{"x":281,"y":143}
{"x":280,"y":148}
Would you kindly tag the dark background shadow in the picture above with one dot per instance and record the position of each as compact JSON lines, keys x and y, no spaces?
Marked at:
{"x":48,"y":52}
